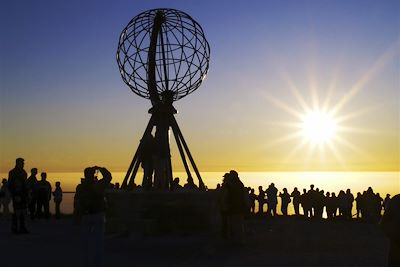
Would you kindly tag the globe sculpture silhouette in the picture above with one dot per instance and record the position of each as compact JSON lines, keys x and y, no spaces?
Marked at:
{"x":163,"y":56}
{"x":181,"y":57}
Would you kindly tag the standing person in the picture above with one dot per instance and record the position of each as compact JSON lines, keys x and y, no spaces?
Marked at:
{"x":91,"y":201}
{"x":57,"y":197}
{"x":391,"y":226}
{"x":272,"y":197}
{"x":237,"y":207}
{"x":17,"y":186}
{"x":146,"y":156}
{"x":252,"y":197}
{"x":358,"y":204}
{"x":261,"y":199}
{"x":296,"y":201}
{"x":43,"y":197}
{"x":305,"y":203}
{"x":285,"y":197}
{"x":386,"y":201}
{"x":31,"y":184}
{"x":6,"y":197}
{"x":349,"y":204}
{"x":223,"y":206}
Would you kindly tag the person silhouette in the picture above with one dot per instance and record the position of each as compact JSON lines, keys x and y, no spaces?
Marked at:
{"x":43,"y":197}
{"x":175,"y":185}
{"x":91,"y":202}
{"x":31,"y":184}
{"x":272,"y":199}
{"x":223,"y":205}
{"x":237,"y":207}
{"x":57,"y":197}
{"x":19,"y":194}
{"x":358,"y":204}
{"x":386,"y":201}
{"x":349,"y":199}
{"x":6,"y":197}
{"x":390,"y":224}
{"x":296,"y":201}
{"x":261,"y":199}
{"x":305,"y":203}
{"x":285,"y":197}
{"x":252,"y":198}
{"x":147,"y":154}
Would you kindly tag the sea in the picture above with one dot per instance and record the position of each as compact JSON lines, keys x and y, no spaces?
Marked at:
{"x":381,"y":182}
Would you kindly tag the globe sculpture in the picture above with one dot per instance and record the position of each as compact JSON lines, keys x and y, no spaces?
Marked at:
{"x":163,"y":56}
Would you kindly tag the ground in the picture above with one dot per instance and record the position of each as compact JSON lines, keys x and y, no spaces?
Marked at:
{"x":268,"y":242}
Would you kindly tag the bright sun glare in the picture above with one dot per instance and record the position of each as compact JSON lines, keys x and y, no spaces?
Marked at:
{"x":318,"y":127}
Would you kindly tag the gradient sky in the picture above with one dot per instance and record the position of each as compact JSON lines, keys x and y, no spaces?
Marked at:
{"x":64,"y":106}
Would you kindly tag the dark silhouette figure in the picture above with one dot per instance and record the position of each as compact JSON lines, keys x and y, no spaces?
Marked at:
{"x":223,"y":205}
{"x":358,"y":205}
{"x":285,"y":197}
{"x":175,"y":185}
{"x":261,"y":199}
{"x":349,"y":198}
{"x":147,"y":157}
{"x":117,"y":186}
{"x":391,"y":226}
{"x":312,"y":196}
{"x":305,"y":203}
{"x":237,"y":207}
{"x":57,"y":197}
{"x":370,"y":204}
{"x":319,"y":204}
{"x":296,"y":201}
{"x":379,"y":205}
{"x":341,"y":199}
{"x":31,"y":185}
{"x":386,"y":201}
{"x":91,"y":206}
{"x":252,"y":198}
{"x":43,"y":197}
{"x":5,"y":197}
{"x":19,"y":194}
{"x":272,"y":199}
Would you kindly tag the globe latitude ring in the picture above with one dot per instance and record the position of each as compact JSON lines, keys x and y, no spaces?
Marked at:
{"x":182,"y":53}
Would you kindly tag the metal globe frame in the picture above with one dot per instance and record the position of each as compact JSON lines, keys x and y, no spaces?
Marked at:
{"x":163,"y":56}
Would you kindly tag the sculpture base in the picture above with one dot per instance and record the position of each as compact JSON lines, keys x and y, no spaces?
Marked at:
{"x":153,"y":212}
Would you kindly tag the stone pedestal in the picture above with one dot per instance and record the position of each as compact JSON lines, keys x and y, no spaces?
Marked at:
{"x":162,"y":212}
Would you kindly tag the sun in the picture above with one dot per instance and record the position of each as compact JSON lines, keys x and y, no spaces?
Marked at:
{"x":318,"y":127}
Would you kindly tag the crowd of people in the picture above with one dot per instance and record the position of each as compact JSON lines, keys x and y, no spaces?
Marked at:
{"x":28,"y":194}
{"x":314,"y":202}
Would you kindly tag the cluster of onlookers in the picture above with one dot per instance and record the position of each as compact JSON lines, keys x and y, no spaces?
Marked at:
{"x":314,"y":202}
{"x":28,"y":194}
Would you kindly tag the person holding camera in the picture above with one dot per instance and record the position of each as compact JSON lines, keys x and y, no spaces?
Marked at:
{"x":91,"y":210}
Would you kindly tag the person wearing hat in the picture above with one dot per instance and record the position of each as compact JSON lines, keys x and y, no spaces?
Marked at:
{"x":19,"y":193}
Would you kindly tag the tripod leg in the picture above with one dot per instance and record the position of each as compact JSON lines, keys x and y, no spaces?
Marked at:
{"x":136,"y":161}
{"x":182,"y":153}
{"x":201,"y":184}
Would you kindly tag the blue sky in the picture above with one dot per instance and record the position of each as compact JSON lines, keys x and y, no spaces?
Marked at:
{"x":60,"y":84}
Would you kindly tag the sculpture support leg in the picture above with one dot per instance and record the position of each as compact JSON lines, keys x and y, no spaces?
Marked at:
{"x":175,"y":124}
{"x":179,"y":144}
{"x":136,"y":160}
